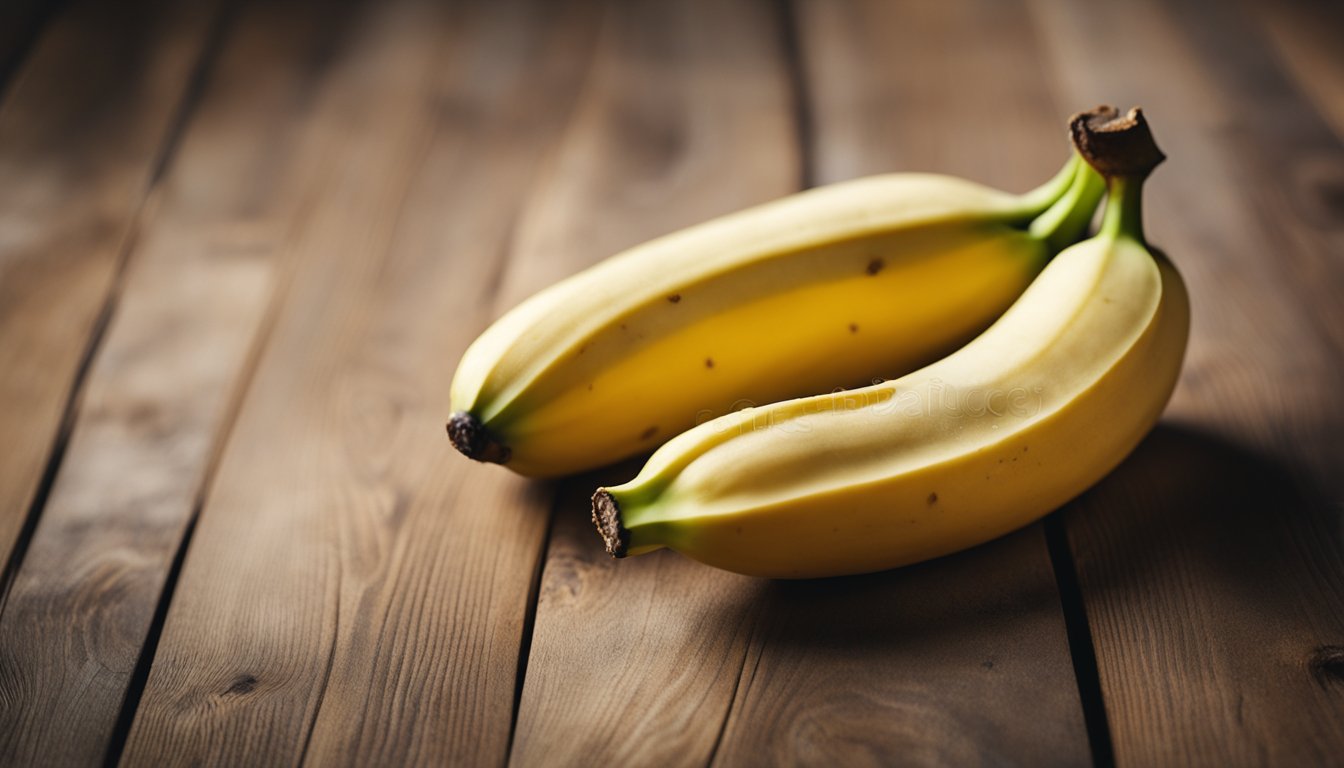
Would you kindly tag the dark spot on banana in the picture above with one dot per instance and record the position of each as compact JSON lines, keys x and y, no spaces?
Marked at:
{"x":674,"y":298}
{"x":987,"y":663}
{"x":623,"y":326}
{"x":650,"y":432}
{"x":875,"y":266}
{"x":590,"y":387}
{"x":853,"y":327}
{"x":933,"y":498}
{"x":709,"y":362}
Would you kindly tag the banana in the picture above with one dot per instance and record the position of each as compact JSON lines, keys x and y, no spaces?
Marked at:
{"x":1025,"y":417}
{"x":826,"y":288}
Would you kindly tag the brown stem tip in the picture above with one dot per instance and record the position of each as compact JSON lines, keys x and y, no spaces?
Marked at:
{"x":607,"y":518}
{"x":1115,"y":144}
{"x":474,"y":441}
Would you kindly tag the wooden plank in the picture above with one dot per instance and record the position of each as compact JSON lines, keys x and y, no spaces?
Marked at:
{"x":1307,"y":36}
{"x":158,"y":398}
{"x":686,"y":114}
{"x":1210,"y":563}
{"x":902,"y":87}
{"x":931,"y":664}
{"x":80,"y":132}
{"x":355,"y":591}
{"x":1290,"y":164}
{"x":964,"y":660}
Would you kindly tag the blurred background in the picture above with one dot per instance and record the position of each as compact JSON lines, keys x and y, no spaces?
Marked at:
{"x":243,"y":245}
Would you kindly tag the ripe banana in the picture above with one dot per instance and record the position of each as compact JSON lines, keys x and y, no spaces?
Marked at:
{"x":992,"y":437}
{"x":826,"y":288}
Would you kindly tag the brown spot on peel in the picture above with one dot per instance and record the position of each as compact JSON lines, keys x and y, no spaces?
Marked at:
{"x":674,"y":298}
{"x":875,"y":266}
{"x":650,"y":432}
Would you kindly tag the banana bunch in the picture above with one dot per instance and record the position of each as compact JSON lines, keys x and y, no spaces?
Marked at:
{"x":1020,"y":420}
{"x":828,"y":288}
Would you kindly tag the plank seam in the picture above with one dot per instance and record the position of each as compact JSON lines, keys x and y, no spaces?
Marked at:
{"x":55,"y":456}
{"x":1082,"y":651}
{"x":530,"y":623}
{"x":792,"y":48}
{"x":326,"y":672}
{"x":121,"y":731}
{"x":191,"y":98}
{"x":756,"y":619}
{"x":126,"y":247}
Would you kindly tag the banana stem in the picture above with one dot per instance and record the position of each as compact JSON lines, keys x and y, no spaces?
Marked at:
{"x":1121,"y":148}
{"x":1124,"y":208}
{"x":1035,"y":202}
{"x":1064,"y":223}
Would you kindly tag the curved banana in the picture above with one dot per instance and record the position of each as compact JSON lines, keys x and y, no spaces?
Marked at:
{"x":1019,"y":421}
{"x":827,"y":288}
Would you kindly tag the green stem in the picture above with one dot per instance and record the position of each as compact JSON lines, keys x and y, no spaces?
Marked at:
{"x":1035,"y":202}
{"x":1124,"y":208}
{"x":1063,"y":223}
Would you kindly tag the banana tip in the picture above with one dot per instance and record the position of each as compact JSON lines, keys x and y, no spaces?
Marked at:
{"x":474,"y":441}
{"x":607,"y":518}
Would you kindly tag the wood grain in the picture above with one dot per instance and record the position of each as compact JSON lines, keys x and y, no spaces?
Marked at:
{"x":81,"y":130}
{"x":1307,"y":36}
{"x":355,"y":592}
{"x":1211,"y":564}
{"x":686,"y":114}
{"x":158,"y":399}
{"x":959,"y":661}
{"x":904,"y":86}
{"x":964,"y":660}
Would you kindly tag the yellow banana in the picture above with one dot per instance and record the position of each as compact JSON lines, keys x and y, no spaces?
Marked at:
{"x":826,"y":288}
{"x":992,"y":437}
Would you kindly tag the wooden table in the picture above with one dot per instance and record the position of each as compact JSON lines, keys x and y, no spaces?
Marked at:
{"x":242,"y":247}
